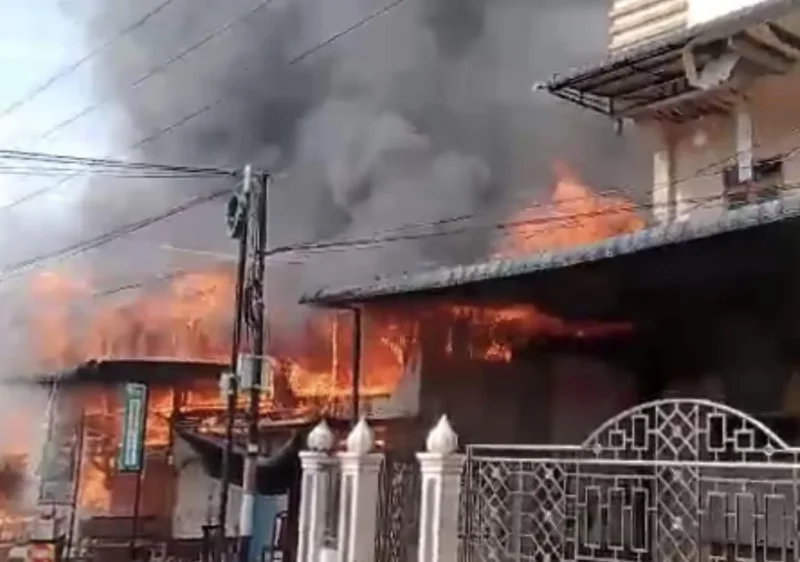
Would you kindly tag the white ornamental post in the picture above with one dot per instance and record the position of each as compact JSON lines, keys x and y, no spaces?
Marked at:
{"x":359,"y":496}
{"x":317,"y":464}
{"x":441,"y":486}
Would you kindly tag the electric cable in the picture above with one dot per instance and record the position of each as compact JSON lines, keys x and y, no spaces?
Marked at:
{"x":203,"y":110}
{"x":59,"y":172}
{"x":172,"y":275}
{"x":42,"y":157}
{"x":68,"y":69}
{"x":543,"y":223}
{"x":158,"y":69}
{"x":83,"y":246}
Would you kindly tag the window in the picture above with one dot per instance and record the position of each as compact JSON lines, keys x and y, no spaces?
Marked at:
{"x":765,"y":185}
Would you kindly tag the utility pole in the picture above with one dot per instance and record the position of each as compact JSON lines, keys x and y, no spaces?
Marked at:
{"x":238,"y":218}
{"x":255,"y":293}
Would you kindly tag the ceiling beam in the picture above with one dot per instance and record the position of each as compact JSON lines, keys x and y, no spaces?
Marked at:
{"x":760,"y":53}
{"x":788,"y":38}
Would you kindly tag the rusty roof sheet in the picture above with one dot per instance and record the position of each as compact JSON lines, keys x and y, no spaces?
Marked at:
{"x":671,"y":233}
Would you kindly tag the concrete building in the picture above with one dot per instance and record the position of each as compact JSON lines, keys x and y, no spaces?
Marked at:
{"x":715,"y":85}
{"x":704,"y":384}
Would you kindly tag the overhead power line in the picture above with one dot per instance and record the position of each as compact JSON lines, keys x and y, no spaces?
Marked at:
{"x":83,"y":246}
{"x":541,"y":224}
{"x":191,"y":116}
{"x":60,"y":172}
{"x":65,"y":71}
{"x":376,"y":240}
{"x":107,"y":162}
{"x":159,"y":69}
{"x":38,"y":163}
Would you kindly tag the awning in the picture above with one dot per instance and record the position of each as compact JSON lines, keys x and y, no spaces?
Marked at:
{"x":668,"y":235}
{"x":652,"y":80}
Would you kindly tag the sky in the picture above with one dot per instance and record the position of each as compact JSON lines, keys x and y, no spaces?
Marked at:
{"x":701,"y":11}
{"x":37,"y":39}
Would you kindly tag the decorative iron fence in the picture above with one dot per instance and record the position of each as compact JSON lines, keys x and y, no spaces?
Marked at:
{"x":673,"y":480}
{"x":398,"y":509}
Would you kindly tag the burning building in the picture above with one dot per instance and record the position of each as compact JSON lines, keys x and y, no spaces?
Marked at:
{"x":596,"y":297}
{"x":673,"y":315}
{"x":174,"y":341}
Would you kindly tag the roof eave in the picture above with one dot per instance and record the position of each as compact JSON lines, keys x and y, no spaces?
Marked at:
{"x":659,"y":67}
{"x":674,"y":233}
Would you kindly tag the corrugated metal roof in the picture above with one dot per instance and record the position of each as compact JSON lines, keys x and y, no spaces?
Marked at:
{"x":671,"y":233}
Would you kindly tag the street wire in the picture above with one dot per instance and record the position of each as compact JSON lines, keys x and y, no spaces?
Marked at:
{"x":543,"y":224}
{"x":160,"y":68}
{"x":110,"y":163}
{"x":191,"y":116}
{"x":397,"y":234}
{"x":15,"y":162}
{"x":77,"y":248}
{"x":75,"y":65}
{"x":376,"y":240}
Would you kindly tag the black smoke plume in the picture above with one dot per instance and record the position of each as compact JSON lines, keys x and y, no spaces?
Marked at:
{"x":424,"y":113}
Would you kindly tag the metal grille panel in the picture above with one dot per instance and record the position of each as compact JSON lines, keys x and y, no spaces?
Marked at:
{"x":673,"y":480}
{"x":398,"y":510}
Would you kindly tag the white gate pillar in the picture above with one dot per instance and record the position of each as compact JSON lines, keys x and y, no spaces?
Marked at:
{"x":318,"y":465}
{"x":359,"y":496}
{"x":441,"y":488}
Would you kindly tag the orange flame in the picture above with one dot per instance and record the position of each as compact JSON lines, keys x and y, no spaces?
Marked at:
{"x":189,"y":319}
{"x":576,"y":217}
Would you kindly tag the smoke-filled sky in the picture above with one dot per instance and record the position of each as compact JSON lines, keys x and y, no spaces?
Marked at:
{"x":424,"y":113}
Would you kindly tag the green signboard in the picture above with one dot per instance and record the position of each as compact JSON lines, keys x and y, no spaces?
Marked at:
{"x":133,"y":428}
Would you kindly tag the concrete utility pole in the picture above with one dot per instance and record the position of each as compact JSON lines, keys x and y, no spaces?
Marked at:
{"x":238,"y":218}
{"x":255,"y":317}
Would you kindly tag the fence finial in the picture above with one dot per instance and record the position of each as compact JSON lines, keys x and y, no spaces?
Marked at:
{"x":442,"y":439}
{"x":321,"y":438}
{"x":360,"y":439}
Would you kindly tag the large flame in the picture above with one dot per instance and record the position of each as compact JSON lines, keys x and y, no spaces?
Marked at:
{"x":189,"y":317}
{"x":576,"y":216}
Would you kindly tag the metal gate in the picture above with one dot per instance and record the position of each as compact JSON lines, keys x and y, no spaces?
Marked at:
{"x":398,"y":509}
{"x":671,"y":480}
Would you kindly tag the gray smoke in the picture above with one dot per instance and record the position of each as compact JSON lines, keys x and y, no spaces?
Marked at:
{"x":424,"y":113}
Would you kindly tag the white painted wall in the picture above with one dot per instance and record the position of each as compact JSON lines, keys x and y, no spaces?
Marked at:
{"x":775,"y":124}
{"x":701,"y":11}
